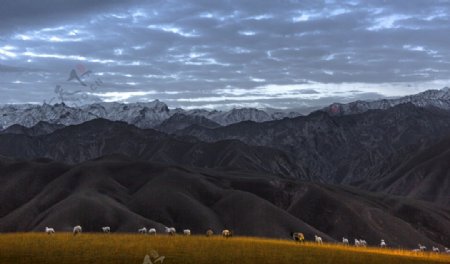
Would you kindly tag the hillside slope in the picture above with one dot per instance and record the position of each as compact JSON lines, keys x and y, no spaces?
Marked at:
{"x":127,"y":195}
{"x":425,"y":175}
{"x":99,"y":137}
{"x":350,"y":149}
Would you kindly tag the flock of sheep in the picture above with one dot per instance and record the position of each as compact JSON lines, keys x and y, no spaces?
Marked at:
{"x":151,"y":231}
{"x":300,"y":237}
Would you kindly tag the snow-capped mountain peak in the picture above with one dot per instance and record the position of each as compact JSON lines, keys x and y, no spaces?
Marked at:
{"x":435,"y":98}
{"x":141,"y":114}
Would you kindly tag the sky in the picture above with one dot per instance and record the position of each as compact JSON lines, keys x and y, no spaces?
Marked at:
{"x":222,"y":54}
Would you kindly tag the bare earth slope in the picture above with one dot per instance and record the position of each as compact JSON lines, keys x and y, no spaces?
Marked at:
{"x":426,"y":175}
{"x":99,"y":137}
{"x":350,"y":149}
{"x":127,"y":195}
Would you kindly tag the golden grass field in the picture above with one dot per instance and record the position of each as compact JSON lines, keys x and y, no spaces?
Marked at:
{"x":64,"y":248}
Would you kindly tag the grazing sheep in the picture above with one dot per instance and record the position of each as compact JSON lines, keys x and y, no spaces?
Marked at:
{"x":345,"y":241}
{"x":187,"y":232}
{"x":77,"y":230}
{"x":299,"y":237}
{"x":383,"y":243}
{"x":152,"y":231}
{"x":357,"y":243}
{"x":363,"y":243}
{"x":318,"y":239}
{"x":142,"y":230}
{"x":170,"y":231}
{"x":422,"y":248}
{"x":447,"y":250}
{"x":416,"y":250}
{"x":49,"y":230}
{"x":227,"y":233}
{"x":435,"y":249}
{"x":106,"y":229}
{"x":209,"y":232}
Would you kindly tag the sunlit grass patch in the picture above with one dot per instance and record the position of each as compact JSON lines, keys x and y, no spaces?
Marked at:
{"x":127,"y":248}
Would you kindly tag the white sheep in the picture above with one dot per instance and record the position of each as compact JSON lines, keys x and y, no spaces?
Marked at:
{"x":152,"y":231}
{"x":422,"y":248}
{"x":447,"y":250}
{"x":77,"y":230}
{"x":142,"y":230}
{"x":186,"y":232}
{"x":106,"y":229}
{"x":363,"y":243}
{"x":49,"y":230}
{"x":209,"y":232}
{"x":383,"y":243}
{"x":345,"y":241}
{"x":318,"y":239}
{"x":357,"y":243}
{"x":435,"y":249}
{"x":170,"y":231}
{"x":227,"y":233}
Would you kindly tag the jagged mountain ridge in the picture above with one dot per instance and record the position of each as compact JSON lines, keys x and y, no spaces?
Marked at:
{"x":143,"y":115}
{"x":153,"y":114}
{"x":349,"y":149}
{"x":435,"y":98}
{"x":41,"y":128}
{"x":100,"y":137}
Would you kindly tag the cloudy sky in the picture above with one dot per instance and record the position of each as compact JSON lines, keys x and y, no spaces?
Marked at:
{"x":222,"y":54}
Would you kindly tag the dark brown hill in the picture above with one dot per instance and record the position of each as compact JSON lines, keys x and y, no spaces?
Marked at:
{"x":100,"y":137}
{"x":127,"y":195}
{"x":180,"y":121}
{"x":41,"y":128}
{"x":351,"y":149}
{"x":425,"y":175}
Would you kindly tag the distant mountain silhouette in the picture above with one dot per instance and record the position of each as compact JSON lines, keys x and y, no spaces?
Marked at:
{"x":99,"y":137}
{"x":435,"y":98}
{"x":41,"y":128}
{"x":143,"y":115}
{"x":181,"y":121}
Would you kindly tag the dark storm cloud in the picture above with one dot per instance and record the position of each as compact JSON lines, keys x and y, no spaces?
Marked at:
{"x":26,"y":13}
{"x":225,"y":53}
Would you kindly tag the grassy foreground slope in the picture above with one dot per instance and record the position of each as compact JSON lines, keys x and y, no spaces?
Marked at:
{"x":125,"y":248}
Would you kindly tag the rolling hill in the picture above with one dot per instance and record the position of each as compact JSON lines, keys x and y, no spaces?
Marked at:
{"x":425,"y":175}
{"x":127,"y":195}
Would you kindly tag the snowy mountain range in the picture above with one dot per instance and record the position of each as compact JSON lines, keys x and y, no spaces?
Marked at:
{"x":153,"y":114}
{"x":436,"y":98}
{"x":142,"y":115}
